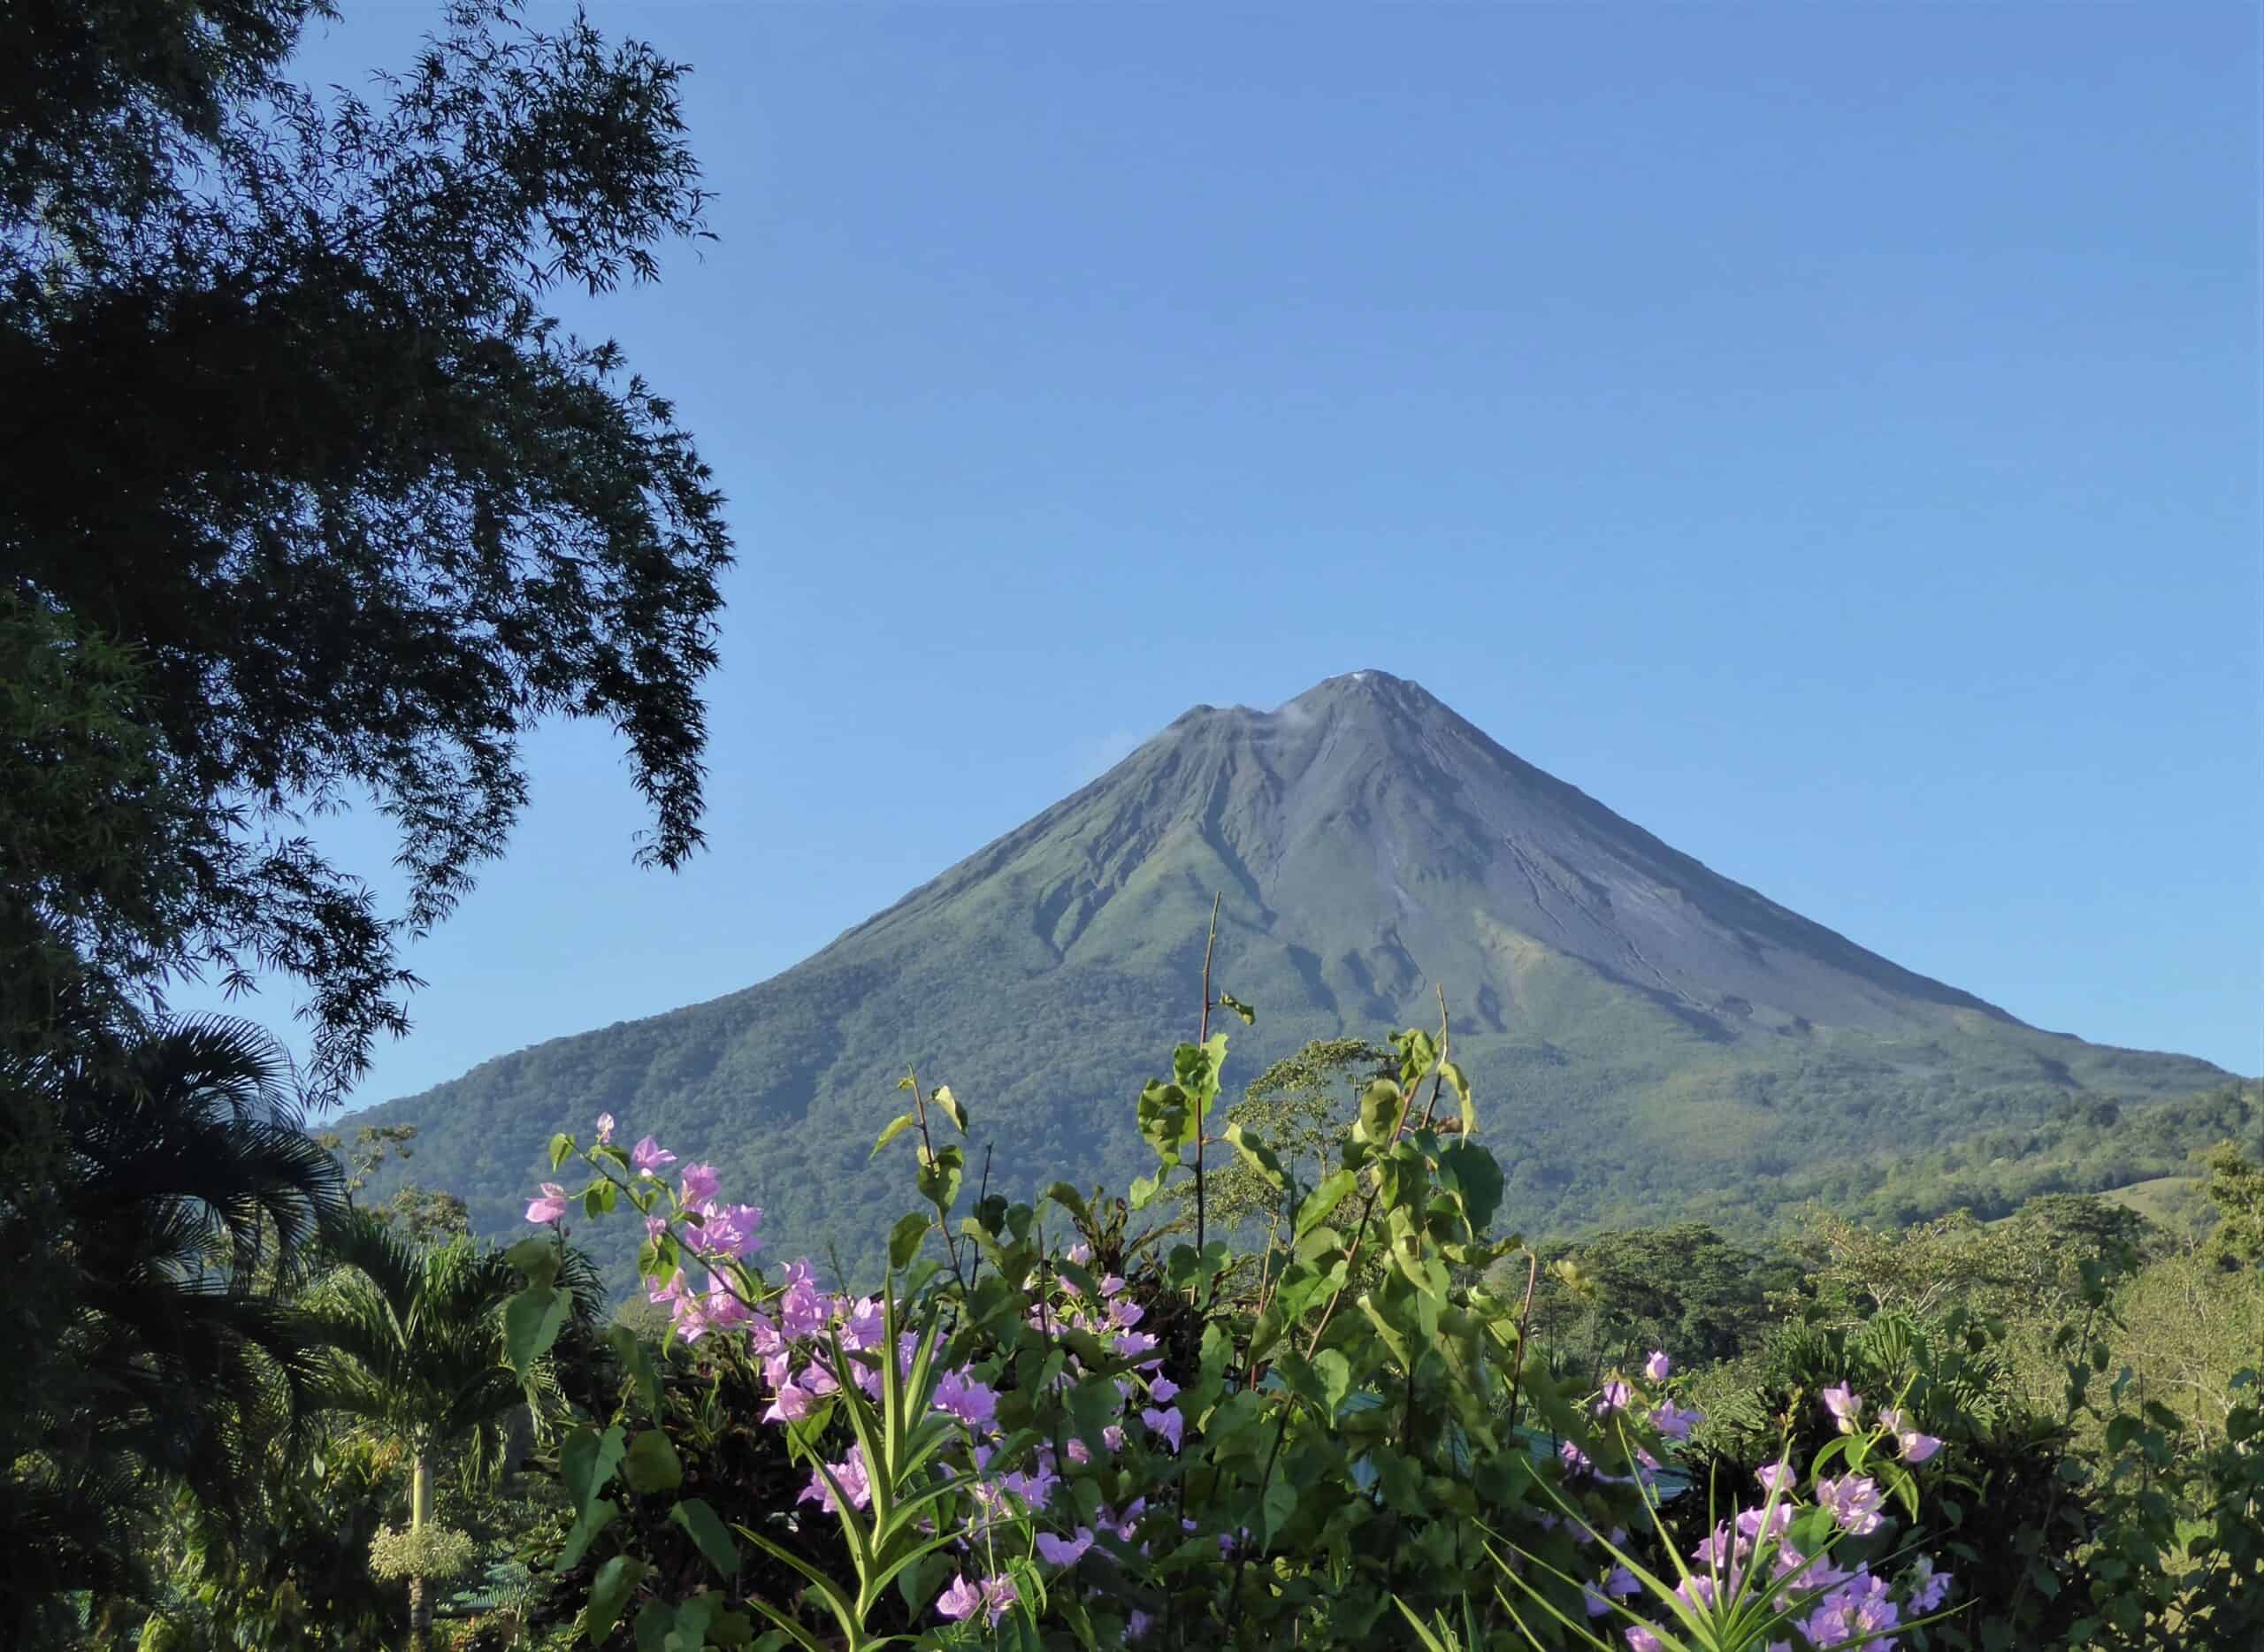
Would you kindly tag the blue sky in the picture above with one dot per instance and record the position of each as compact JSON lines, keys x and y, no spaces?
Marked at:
{"x":1829,"y":436}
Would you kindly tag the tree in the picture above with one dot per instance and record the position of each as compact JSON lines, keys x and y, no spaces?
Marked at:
{"x":1297,"y":1106}
{"x":415,"y":1348}
{"x":1684,"y":1289}
{"x":307,"y":491}
{"x":167,"y":1356}
{"x":2236,"y":1188}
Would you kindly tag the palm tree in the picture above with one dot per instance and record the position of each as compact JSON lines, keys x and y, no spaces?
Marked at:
{"x":415,"y":1339}
{"x":157,"y":1350}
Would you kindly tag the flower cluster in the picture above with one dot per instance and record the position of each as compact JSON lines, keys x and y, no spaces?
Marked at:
{"x":794,"y":1327}
{"x":1786,"y":1548}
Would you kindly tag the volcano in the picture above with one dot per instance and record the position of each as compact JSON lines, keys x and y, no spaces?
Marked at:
{"x":1647,"y":1039}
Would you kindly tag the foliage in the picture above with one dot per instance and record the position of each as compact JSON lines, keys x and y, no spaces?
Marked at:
{"x":308,"y":500}
{"x":415,"y":1343}
{"x":1684,"y":1288}
{"x":163,"y":1358}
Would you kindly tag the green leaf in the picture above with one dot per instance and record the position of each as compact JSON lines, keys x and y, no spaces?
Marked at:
{"x":587,"y":1525}
{"x":1164,"y":1115}
{"x":653,"y":1626}
{"x":943,"y":1098}
{"x":536,"y":1257}
{"x":897,"y":1126}
{"x":531,"y":1321}
{"x":1274,"y":1513}
{"x":1335,"y":1374}
{"x":707,"y":1530}
{"x":1143,"y":1190}
{"x":561,"y":1149}
{"x":1381,"y":1105}
{"x":1324,"y":1199}
{"x":904,"y":1239}
{"x":609,"y":1591}
{"x":636,"y":1360}
{"x":1480,"y":1179}
{"x":651,"y":1464}
{"x":586,"y":1462}
{"x":939,"y":1179}
{"x":1070,"y":1200}
{"x":1258,"y":1155}
{"x":1228,"y":1001}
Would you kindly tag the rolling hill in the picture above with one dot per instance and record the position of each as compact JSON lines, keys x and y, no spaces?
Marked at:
{"x":1647,"y":1039}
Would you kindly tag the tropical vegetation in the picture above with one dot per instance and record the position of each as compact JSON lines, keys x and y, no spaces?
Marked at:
{"x":312,"y":502}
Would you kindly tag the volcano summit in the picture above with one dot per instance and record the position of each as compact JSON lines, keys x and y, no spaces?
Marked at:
{"x":1647,"y":1038}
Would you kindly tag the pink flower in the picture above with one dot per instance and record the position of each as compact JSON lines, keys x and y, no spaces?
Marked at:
{"x":1113,"y":1437}
{"x":604,"y":1130}
{"x":1658,"y":1365}
{"x":649,"y":1156}
{"x":1064,"y":1551}
{"x":700,"y":1184}
{"x":550,"y":1207}
{"x":1169,"y":1422}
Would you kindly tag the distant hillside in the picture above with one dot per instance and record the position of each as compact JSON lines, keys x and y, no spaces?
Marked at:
{"x":1647,"y":1038}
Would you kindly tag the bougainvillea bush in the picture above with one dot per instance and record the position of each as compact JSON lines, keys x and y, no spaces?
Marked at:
{"x":1073,"y":1425}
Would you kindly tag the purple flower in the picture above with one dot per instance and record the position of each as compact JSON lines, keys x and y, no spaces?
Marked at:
{"x":1844,"y":1404}
{"x":1930,"y":1588}
{"x":864,"y":1326}
{"x":790,"y":1404}
{"x":1111,"y":1283}
{"x":1854,"y":1503}
{"x":648,"y":1157}
{"x":1113,"y":1436}
{"x":1658,"y":1365}
{"x":998,"y":1595}
{"x":1080,"y":1253}
{"x":550,"y":1207}
{"x":700,"y":1182}
{"x":1064,"y":1551}
{"x":1774,"y":1475}
{"x":1168,"y":1423}
{"x":1915,"y":1447}
{"x":1675,"y":1423}
{"x":1621,"y":1583}
{"x":1163,"y":1389}
{"x":959,"y":1395}
{"x":959,"y":1601}
{"x":604,"y":1130}
{"x":1641,"y":1640}
{"x":1595,"y":1602}
{"x":850,"y":1472}
{"x":729,"y":1229}
{"x":1614,"y":1397}
{"x":1135,"y":1626}
{"x":1575,"y":1460}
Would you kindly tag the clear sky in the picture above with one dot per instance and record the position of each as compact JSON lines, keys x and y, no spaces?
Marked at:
{"x":1827,"y":435}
